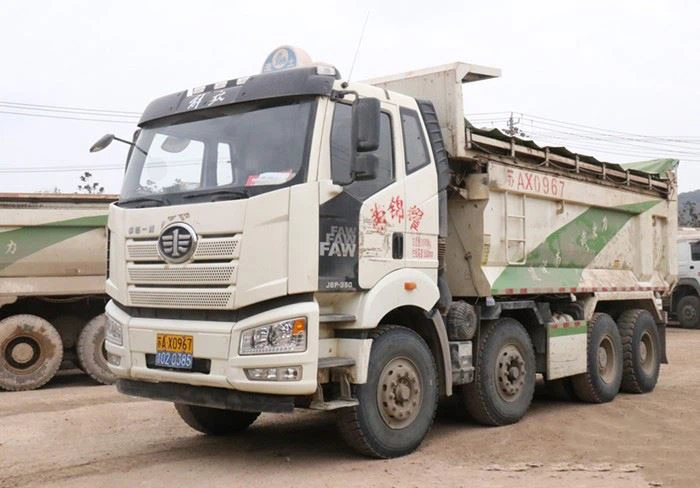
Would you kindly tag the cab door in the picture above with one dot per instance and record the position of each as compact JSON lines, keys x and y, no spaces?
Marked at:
{"x":361,"y":229}
{"x":422,"y":223}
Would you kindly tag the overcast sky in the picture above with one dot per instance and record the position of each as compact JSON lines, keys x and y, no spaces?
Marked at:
{"x":630,"y":66}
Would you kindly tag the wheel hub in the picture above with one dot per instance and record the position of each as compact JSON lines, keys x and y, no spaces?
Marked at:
{"x":689,"y":312}
{"x":642,"y":351}
{"x":399,"y":393}
{"x":22,"y":353}
{"x":607,"y":368}
{"x":602,"y":359}
{"x":510,"y":371}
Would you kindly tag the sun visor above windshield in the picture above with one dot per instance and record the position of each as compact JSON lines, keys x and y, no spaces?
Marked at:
{"x":277,"y":84}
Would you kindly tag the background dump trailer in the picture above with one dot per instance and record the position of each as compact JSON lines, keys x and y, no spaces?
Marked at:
{"x":52,"y":273}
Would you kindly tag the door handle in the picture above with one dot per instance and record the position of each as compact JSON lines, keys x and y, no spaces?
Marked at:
{"x":397,"y":245}
{"x":692,"y":267}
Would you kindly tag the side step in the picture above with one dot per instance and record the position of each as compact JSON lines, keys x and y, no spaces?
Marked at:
{"x":335,"y":362}
{"x":345,"y":400}
{"x":336,"y":317}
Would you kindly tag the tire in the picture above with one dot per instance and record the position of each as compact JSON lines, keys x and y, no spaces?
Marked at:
{"x":397,"y":404}
{"x":641,"y":351}
{"x":688,"y":312}
{"x":92,"y":354}
{"x":31,"y":352}
{"x":602,"y":381}
{"x":215,"y":421}
{"x":504,"y":379}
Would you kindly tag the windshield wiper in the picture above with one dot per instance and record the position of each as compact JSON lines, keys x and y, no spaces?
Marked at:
{"x":236,"y":194}
{"x":159,"y":201}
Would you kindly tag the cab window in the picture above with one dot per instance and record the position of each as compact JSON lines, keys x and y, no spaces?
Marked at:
{"x":695,"y":251}
{"x":341,"y":153}
{"x":415,"y":148}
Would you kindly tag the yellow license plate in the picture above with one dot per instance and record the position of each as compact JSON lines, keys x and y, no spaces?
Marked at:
{"x":175,"y":343}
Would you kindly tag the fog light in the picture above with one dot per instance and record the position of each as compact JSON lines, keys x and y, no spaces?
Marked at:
{"x":114,"y":332}
{"x":292,"y":373}
{"x":113,"y":359}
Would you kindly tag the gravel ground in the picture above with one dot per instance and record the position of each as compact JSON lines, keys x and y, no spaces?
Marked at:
{"x":75,"y":433}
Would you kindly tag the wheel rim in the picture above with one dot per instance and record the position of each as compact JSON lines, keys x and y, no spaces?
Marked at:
{"x":511,"y":372}
{"x":607,"y":359}
{"x":22,"y":354}
{"x":647,"y":353}
{"x":689,"y":313}
{"x":399,"y":393}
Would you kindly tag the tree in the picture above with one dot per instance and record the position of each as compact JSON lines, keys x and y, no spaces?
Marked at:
{"x":89,"y":186}
{"x":688,"y":216}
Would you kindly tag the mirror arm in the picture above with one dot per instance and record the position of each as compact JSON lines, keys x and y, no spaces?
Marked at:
{"x":132,"y":144}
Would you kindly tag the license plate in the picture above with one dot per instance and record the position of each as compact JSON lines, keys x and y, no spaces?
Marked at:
{"x":174,"y":351}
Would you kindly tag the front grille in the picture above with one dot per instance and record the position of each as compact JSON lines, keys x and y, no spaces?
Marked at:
{"x":208,"y":248}
{"x":201,"y":274}
{"x":204,"y":283}
{"x":206,"y":298}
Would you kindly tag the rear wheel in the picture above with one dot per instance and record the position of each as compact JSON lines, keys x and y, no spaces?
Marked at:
{"x":689,"y":312}
{"x":215,"y":421}
{"x":602,"y":381}
{"x":91,"y":350}
{"x":397,"y":403}
{"x":504,"y":380}
{"x":31,"y":352}
{"x":641,"y":352}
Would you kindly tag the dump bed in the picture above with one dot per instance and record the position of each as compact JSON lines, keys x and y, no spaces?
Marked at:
{"x":52,"y":244}
{"x":527,"y":219}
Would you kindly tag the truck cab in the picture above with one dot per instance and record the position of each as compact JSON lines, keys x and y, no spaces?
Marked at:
{"x":685,"y":300}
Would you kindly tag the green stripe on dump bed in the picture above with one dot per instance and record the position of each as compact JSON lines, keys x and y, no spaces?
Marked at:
{"x":560,"y":260}
{"x":565,"y":331}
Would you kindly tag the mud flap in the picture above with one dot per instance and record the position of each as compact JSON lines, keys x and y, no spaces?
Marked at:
{"x":567,"y":343}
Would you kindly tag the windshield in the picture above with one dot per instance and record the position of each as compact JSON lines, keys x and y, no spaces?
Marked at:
{"x":228,"y":152}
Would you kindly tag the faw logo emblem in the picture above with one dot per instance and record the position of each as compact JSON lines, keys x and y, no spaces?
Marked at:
{"x":177,"y":243}
{"x":341,"y":241}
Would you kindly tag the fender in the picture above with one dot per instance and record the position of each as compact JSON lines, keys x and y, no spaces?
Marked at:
{"x":390,"y":293}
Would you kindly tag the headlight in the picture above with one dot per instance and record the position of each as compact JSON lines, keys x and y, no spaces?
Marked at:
{"x":285,"y":336}
{"x":114,"y":332}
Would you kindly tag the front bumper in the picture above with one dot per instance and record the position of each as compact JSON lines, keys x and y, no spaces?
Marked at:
{"x":217,"y":342}
{"x":207,"y":396}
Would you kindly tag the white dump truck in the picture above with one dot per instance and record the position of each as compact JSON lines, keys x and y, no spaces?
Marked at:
{"x":683,"y":304}
{"x":289,"y":239}
{"x":52,"y":294}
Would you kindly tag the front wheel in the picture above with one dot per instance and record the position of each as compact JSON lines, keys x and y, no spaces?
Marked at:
{"x":215,"y":421}
{"x":397,"y":403}
{"x":689,"y":312}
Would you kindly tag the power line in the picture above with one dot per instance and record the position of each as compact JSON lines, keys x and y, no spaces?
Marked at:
{"x":61,"y":108}
{"x":66,"y":117}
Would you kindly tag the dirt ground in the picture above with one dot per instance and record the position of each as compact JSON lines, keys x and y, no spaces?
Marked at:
{"x":75,"y":433}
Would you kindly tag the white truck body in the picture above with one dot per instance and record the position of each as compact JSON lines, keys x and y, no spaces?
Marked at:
{"x":684,"y":303}
{"x":554,"y":242}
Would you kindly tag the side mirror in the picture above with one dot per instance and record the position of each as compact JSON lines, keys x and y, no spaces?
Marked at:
{"x":366,"y":115}
{"x":365,"y":125}
{"x":102,"y":143}
{"x":364,"y":166}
